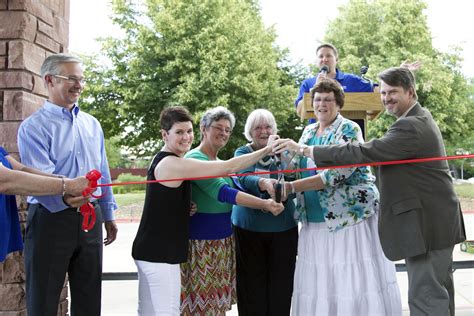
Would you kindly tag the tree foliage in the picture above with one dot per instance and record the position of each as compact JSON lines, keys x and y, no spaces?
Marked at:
{"x":199,"y":54}
{"x":384,"y":33}
{"x":204,"y":53}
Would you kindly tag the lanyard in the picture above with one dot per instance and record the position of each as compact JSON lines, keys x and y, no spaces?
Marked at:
{"x":280,"y":184}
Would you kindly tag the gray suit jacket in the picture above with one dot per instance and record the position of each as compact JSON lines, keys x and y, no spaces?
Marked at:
{"x":419,"y":210}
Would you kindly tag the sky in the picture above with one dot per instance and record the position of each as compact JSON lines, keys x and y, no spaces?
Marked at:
{"x":450,"y":23}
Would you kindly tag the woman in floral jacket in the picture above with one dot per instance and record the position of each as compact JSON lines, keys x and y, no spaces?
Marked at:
{"x":341,"y":269}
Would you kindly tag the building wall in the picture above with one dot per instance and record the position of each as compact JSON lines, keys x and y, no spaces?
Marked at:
{"x":30,"y":30}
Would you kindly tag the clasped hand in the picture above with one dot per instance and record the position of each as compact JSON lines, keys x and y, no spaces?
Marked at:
{"x":273,"y":207}
{"x":279,"y":145}
{"x":74,"y":188}
{"x":284,"y":144}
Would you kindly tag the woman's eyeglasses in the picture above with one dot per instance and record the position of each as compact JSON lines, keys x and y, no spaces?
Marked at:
{"x":227,"y":131}
{"x":325,"y":100}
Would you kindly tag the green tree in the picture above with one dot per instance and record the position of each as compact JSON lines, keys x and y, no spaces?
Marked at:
{"x":199,"y":54}
{"x":465,"y":142}
{"x":382,"y":34}
{"x":114,"y":155}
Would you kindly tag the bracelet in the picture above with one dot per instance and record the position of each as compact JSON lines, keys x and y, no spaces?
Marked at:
{"x":64,"y":184}
{"x":292,"y":187}
{"x":64,"y":190}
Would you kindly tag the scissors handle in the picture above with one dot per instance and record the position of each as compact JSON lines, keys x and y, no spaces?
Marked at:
{"x":278,"y":192}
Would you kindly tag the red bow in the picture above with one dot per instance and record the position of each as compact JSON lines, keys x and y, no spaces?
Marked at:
{"x":87,"y":210}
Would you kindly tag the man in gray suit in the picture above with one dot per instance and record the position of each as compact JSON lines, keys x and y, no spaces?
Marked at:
{"x":420,"y":217}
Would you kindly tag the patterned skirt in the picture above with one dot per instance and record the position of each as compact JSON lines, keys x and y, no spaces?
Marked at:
{"x":208,"y":285}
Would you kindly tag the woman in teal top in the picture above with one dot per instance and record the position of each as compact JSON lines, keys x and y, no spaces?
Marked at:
{"x":265,"y":244}
{"x":341,"y":268}
{"x":208,"y":278}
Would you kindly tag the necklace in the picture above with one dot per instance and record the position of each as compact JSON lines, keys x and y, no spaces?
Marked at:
{"x":262,"y":162}
{"x":266,"y":163}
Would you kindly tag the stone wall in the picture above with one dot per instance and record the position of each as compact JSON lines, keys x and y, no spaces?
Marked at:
{"x":30,"y":30}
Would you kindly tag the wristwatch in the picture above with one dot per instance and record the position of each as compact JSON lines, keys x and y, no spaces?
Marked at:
{"x":302,"y":149}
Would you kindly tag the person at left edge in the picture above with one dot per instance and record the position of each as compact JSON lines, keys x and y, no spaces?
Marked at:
{"x":15,"y":178}
{"x":61,"y":139}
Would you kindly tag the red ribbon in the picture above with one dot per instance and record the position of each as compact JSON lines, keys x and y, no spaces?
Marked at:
{"x":89,"y":217}
{"x":382,"y":163}
{"x":87,"y":210}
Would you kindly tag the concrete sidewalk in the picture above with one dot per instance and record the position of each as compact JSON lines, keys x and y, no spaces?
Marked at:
{"x":121,"y":297}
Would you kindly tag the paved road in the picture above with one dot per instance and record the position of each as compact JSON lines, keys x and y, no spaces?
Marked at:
{"x":121,"y":297}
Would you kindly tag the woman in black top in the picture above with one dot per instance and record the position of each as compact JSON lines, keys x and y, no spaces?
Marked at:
{"x":162,"y":238}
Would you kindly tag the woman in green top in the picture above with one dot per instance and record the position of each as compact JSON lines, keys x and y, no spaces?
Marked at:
{"x":208,"y":278}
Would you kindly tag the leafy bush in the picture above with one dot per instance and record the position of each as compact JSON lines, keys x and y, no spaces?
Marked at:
{"x":128,"y":177}
{"x":465,"y":190}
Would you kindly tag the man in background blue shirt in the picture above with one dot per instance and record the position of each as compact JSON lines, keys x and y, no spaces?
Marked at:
{"x":326,"y":55}
{"x":61,"y":139}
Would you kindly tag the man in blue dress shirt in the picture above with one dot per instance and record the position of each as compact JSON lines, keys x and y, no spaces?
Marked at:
{"x":61,"y":139}
{"x":326,"y":55}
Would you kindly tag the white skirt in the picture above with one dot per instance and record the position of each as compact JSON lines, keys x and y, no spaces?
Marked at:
{"x":344,"y":273}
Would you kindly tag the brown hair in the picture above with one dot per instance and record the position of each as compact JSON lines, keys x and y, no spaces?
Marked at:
{"x":327,"y":45}
{"x":329,"y":85}
{"x":174,"y":114}
{"x":399,"y":77}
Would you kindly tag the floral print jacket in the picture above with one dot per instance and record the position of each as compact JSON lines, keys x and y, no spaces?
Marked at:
{"x":350,"y":195}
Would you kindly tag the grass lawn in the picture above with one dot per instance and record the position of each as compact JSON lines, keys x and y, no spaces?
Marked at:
{"x":462,"y":190}
{"x":465,"y":190}
{"x":129,"y":198}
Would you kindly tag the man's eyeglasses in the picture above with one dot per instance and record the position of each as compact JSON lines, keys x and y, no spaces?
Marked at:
{"x":325,"y":100}
{"x":71,"y":80}
{"x":227,"y":131}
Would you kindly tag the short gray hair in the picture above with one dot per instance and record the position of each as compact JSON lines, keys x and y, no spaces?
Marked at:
{"x":51,"y":63}
{"x":257,"y":116}
{"x":216,"y":114}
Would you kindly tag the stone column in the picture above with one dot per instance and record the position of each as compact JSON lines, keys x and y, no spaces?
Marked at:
{"x":30,"y":30}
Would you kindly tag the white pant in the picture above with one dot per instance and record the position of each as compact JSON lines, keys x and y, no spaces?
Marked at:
{"x":159,"y":286}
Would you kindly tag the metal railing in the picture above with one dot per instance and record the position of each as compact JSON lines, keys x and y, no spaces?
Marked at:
{"x":401,"y":267}
{"x":463,"y":264}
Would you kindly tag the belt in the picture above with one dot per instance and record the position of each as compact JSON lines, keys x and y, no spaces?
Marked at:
{"x":69,"y":209}
{"x":89,"y":216}
{"x":77,"y":209}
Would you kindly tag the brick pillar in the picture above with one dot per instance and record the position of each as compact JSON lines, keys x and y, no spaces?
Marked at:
{"x":30,"y":30}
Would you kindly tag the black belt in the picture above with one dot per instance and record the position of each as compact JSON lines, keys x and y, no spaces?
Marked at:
{"x":69,"y":209}
{"x":76,"y":209}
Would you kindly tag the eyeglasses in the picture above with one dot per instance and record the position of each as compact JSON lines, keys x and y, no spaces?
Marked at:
{"x":263,"y":128}
{"x":227,"y":131}
{"x":72,"y":80}
{"x":325,"y":100}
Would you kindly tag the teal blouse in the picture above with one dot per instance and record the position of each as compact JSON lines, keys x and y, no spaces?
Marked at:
{"x":310,"y":199}
{"x":257,"y":220}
